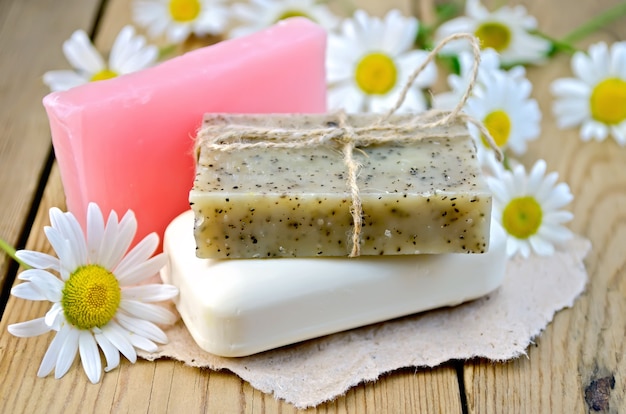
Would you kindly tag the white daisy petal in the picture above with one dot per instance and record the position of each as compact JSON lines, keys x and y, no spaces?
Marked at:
{"x":38,"y":260}
{"x":140,"y":253}
{"x":67,"y":353}
{"x":593,"y":130}
{"x":147,"y":311}
{"x":34,"y":327}
{"x":47,"y":284}
{"x":143,"y":343}
{"x":570,"y":87}
{"x":143,"y":271}
{"x":54,"y":349}
{"x":90,"y":356}
{"x":150,"y":293}
{"x":619,"y":133}
{"x":142,"y":59}
{"x":177,"y":33}
{"x":130,"y":53}
{"x":95,"y":231}
{"x":117,"y":336}
{"x":141,"y":327}
{"x":345,"y":97}
{"x":62,"y":80}
{"x":120,"y":46}
{"x":81,"y":53}
{"x":541,"y":246}
{"x":555,"y":233}
{"x":558,"y":217}
{"x":53,"y":315}
{"x":63,"y":249}
{"x":117,"y":238}
{"x":27,"y":291}
{"x":111,"y":353}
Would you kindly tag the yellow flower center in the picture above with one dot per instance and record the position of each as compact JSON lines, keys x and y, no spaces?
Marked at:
{"x":522,"y":217}
{"x":292,"y":13}
{"x":91,"y":297}
{"x":494,"y":35}
{"x":608,"y":101}
{"x":184,"y":10}
{"x":103,"y":75}
{"x":498,"y":124}
{"x":376,"y":74}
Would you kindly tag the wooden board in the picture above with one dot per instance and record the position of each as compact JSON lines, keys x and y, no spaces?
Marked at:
{"x":31,"y":35}
{"x":576,"y":365}
{"x":168,"y":385}
{"x":578,"y":362}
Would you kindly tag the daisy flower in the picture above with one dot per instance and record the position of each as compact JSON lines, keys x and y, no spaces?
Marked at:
{"x":94,"y":302}
{"x":529,"y":208}
{"x":179,"y":18}
{"x":504,"y":106}
{"x":596,"y":98}
{"x":129,"y":54}
{"x":259,"y":14}
{"x":489,"y":63}
{"x":506,"y":30}
{"x":369,"y":62}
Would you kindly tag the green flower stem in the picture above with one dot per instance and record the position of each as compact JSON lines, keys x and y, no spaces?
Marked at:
{"x":9,"y":250}
{"x":557,"y":45}
{"x":601,"y":20}
{"x":166,"y":50}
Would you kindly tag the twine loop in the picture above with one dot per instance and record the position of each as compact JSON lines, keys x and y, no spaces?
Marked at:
{"x":347,"y":138}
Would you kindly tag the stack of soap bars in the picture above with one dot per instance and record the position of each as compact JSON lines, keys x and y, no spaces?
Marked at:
{"x":262,"y":260}
{"x":273,"y":221}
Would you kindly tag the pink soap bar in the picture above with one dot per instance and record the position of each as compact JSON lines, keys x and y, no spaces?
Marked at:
{"x":126,"y":143}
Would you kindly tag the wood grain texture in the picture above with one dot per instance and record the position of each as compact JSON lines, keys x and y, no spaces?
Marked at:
{"x":31,"y":34}
{"x":169,"y":386}
{"x":577,"y":365}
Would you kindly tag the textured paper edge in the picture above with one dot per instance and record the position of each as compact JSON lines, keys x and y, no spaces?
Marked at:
{"x":319,"y":370}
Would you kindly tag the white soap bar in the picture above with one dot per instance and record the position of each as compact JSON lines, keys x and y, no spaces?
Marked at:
{"x":241,"y":307}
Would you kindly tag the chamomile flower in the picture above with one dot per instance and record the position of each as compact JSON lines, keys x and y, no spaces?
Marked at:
{"x":504,"y":106}
{"x":506,"y":30}
{"x":94,"y":302}
{"x":259,"y":14}
{"x":369,"y":62}
{"x":177,"y":19}
{"x":596,"y":98}
{"x":489,"y":63}
{"x":128,"y":54}
{"x":529,"y":208}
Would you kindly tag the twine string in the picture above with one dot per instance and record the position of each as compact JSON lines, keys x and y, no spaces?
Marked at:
{"x":342,"y":135}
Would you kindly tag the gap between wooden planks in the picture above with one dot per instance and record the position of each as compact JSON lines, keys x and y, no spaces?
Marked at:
{"x":168,"y":385}
{"x":577,"y":364}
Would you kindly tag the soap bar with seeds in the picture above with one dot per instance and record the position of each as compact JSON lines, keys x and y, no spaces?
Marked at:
{"x":421,"y":193}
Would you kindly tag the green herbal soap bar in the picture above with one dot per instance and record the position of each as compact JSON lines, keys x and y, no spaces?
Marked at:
{"x":421,"y":191}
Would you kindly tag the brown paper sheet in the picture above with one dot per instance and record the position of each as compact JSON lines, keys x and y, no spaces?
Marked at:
{"x":499,"y":326}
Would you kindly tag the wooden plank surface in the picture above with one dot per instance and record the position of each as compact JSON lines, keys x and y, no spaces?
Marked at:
{"x":31,"y":34}
{"x":578,"y":362}
{"x":168,"y":386}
